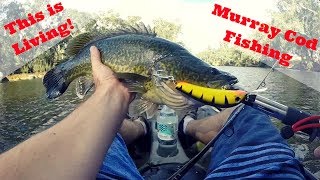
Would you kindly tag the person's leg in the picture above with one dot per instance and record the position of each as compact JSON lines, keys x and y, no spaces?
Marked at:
{"x":249,"y":147}
{"x":206,"y":129}
{"x":132,"y":130}
{"x":117,"y":163}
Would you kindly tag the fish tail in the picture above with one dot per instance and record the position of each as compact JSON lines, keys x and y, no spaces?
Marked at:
{"x":55,"y":83}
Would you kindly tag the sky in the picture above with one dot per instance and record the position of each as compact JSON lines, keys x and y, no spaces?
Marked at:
{"x":200,"y":29}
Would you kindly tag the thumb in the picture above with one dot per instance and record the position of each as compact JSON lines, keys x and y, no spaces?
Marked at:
{"x":95,"y":57}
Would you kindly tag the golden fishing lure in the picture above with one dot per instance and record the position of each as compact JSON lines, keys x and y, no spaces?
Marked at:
{"x":216,"y":97}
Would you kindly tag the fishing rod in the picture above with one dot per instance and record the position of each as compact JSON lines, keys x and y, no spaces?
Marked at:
{"x":294,"y":119}
{"x":287,"y":115}
{"x":188,"y":165}
{"x":299,"y":120}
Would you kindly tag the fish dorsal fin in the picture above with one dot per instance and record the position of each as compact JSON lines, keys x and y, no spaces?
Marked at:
{"x":80,"y":41}
{"x":139,"y":29}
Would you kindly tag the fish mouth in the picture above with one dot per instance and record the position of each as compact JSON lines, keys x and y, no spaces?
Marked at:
{"x":230,"y":84}
{"x":221,"y":79}
{"x":55,"y":83}
{"x":224,"y":81}
{"x":55,"y":89}
{"x":228,"y":79}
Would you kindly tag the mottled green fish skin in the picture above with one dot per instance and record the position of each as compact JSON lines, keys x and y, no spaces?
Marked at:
{"x":138,"y":54}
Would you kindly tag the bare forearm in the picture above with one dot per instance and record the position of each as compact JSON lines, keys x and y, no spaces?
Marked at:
{"x":72,"y":149}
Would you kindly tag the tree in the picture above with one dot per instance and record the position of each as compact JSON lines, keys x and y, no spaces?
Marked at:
{"x":302,"y":16}
{"x":167,"y":30}
{"x":9,"y":11}
{"x":228,"y":55}
{"x":45,"y":60}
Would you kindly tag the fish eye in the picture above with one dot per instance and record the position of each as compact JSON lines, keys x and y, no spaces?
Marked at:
{"x":237,"y":99}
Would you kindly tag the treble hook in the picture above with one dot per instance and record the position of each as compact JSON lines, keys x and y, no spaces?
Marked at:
{"x":160,"y":76}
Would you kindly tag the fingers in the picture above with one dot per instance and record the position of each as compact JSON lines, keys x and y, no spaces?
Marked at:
{"x":316,"y":152}
{"x":95,"y":57}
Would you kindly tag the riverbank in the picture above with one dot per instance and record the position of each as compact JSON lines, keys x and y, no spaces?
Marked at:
{"x":18,"y":77}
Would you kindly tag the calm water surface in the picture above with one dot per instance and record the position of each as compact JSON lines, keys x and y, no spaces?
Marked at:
{"x":24,"y":111}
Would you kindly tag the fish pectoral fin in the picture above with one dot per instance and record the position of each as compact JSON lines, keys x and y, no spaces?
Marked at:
{"x":83,"y":85}
{"x":151,"y":112}
{"x":139,"y":106}
{"x":134,"y":86}
{"x":134,"y":82}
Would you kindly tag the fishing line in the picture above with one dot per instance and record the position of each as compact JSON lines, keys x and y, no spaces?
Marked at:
{"x":263,"y":82}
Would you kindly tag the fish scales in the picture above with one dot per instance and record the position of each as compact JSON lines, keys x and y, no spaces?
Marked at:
{"x":135,"y":57}
{"x":120,"y":53}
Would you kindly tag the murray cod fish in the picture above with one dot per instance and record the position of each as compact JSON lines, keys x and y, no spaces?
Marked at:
{"x":146,"y":64}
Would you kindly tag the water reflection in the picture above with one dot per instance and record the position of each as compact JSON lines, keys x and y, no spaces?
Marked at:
{"x":25,"y":110}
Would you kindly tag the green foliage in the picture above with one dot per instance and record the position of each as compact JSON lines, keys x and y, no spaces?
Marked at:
{"x":167,"y":30}
{"x":302,"y":16}
{"x":228,"y":55}
{"x":8,"y":11}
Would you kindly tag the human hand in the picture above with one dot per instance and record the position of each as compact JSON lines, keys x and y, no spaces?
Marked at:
{"x":104,"y":78}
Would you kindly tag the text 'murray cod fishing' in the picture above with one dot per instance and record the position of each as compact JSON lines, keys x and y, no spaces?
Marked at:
{"x":270,"y":31}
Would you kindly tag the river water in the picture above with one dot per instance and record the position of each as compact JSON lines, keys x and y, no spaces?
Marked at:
{"x":25,"y":111}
